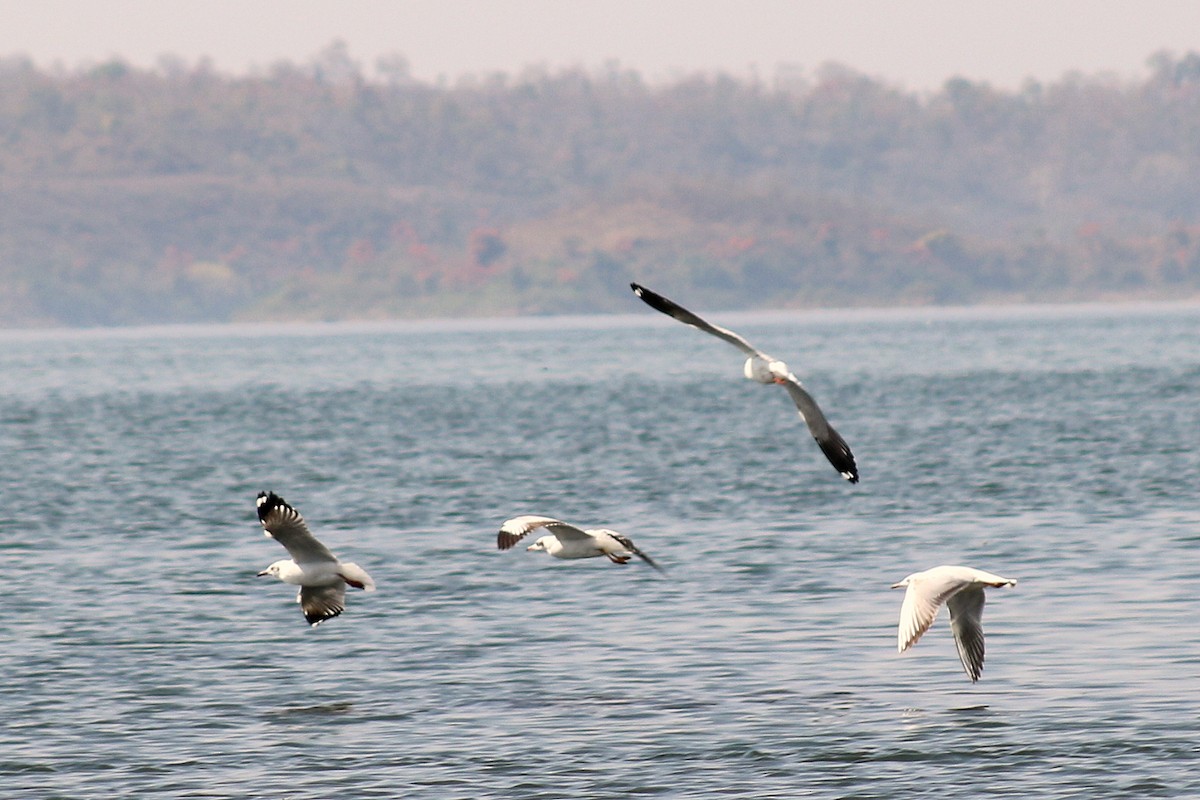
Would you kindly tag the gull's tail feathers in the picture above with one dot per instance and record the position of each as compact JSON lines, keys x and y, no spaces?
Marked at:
{"x":356,"y":576}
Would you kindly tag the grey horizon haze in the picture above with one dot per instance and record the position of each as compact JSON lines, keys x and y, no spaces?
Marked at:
{"x":918,"y":44}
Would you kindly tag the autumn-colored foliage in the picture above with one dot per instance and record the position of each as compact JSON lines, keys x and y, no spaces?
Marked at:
{"x":312,"y":191}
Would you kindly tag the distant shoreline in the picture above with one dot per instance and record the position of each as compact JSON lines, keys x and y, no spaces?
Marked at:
{"x":601,"y":321}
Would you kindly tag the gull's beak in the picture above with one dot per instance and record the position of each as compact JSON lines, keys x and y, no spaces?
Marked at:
{"x":900,"y":585}
{"x":532,"y":546}
{"x":261,"y":574}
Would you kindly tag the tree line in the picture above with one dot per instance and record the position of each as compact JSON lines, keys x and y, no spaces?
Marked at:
{"x":312,"y":191}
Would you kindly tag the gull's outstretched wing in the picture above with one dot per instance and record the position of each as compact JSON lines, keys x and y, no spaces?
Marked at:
{"x":831,"y":442}
{"x":673,"y":309}
{"x":285,"y":525}
{"x":966,"y":621}
{"x":919,"y":610}
{"x":515,"y":529}
{"x":320,"y":603}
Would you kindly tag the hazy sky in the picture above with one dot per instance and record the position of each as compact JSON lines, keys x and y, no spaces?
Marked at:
{"x":916,"y":43}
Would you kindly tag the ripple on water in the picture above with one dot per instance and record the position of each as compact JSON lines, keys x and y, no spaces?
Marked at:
{"x":143,"y":658}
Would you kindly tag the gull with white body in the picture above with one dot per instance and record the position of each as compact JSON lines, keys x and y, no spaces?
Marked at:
{"x":961,"y":589}
{"x":322,"y":578}
{"x":767,"y":369}
{"x":567,"y":541}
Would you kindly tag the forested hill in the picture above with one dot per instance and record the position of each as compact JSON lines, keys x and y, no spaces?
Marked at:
{"x":311,"y":192}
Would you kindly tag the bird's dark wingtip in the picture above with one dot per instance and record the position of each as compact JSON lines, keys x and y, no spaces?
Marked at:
{"x":314,"y":616}
{"x":661,"y":304}
{"x":838,"y":452}
{"x":653,"y":564}
{"x":268,"y":502}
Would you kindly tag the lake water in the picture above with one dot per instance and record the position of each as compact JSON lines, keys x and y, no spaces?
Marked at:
{"x":143,"y":658}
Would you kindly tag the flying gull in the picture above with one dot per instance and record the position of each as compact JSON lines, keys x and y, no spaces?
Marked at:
{"x":960,"y":588}
{"x":321,"y":577}
{"x":567,"y":541}
{"x":767,"y":369}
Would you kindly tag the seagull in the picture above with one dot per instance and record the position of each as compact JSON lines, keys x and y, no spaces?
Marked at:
{"x":767,"y":369}
{"x":321,"y":577}
{"x":960,"y":588}
{"x":567,"y":541}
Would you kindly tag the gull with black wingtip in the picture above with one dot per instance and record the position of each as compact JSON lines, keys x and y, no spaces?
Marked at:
{"x":322,"y":578}
{"x":567,"y":541}
{"x":766,"y":369}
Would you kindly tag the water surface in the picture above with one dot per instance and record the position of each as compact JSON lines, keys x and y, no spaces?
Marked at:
{"x":1058,"y":446}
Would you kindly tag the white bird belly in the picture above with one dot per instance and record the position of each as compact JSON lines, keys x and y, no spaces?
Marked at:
{"x":322,"y":574}
{"x":577,"y":550}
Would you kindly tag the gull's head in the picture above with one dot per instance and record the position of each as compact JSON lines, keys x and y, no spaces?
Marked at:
{"x":542,"y":545}
{"x":271,"y":570}
{"x":904,"y":583}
